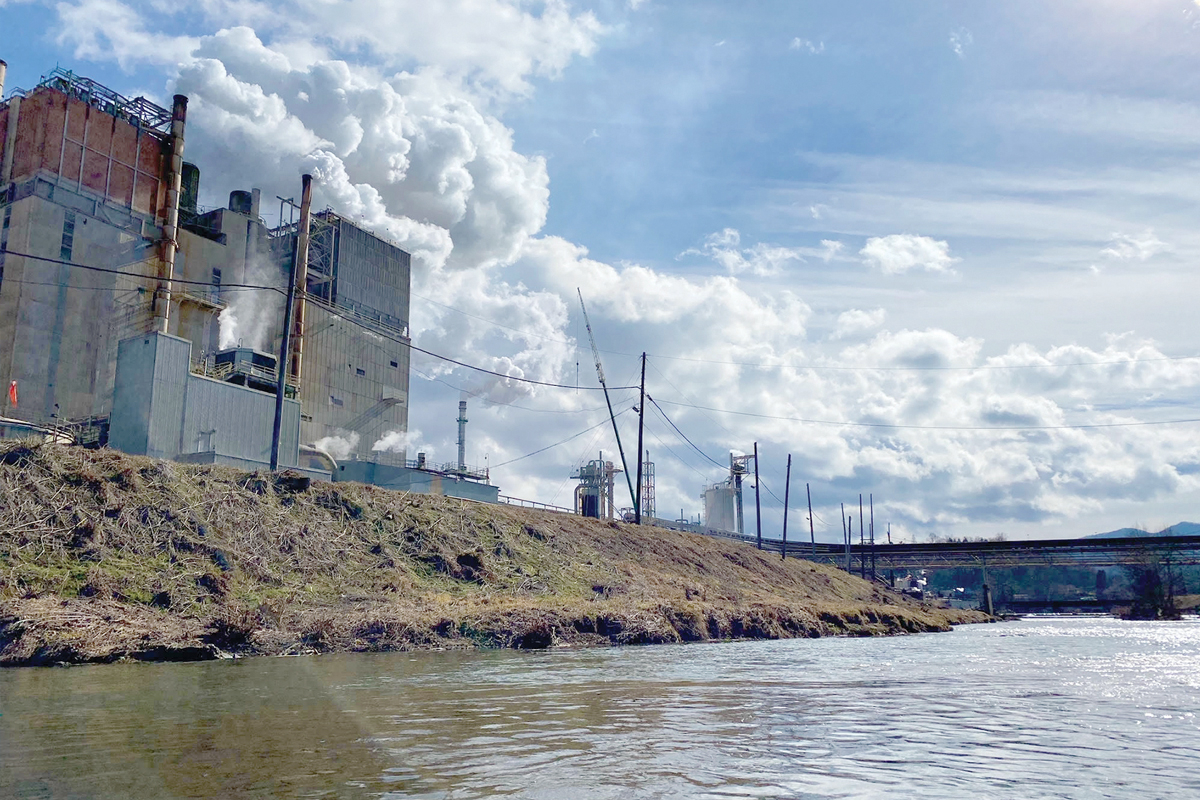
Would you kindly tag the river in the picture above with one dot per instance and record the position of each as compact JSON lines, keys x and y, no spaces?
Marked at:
{"x":1041,"y":708}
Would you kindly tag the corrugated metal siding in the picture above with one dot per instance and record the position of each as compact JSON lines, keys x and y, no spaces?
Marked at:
{"x":372,"y":274}
{"x":129,"y":424}
{"x":236,"y":422}
{"x":170,"y":395}
{"x":337,"y":398}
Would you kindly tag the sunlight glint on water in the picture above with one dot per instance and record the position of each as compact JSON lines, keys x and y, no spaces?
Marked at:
{"x":1070,"y":708}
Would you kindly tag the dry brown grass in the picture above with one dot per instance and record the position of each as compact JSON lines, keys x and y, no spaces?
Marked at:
{"x":106,"y":556}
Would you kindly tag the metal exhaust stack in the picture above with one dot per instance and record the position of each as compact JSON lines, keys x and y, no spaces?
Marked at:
{"x":3,"y":72}
{"x":462,"y":435}
{"x":162,"y":295}
{"x":300,"y":271}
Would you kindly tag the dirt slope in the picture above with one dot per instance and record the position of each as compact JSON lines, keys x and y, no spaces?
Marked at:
{"x":105,"y":556}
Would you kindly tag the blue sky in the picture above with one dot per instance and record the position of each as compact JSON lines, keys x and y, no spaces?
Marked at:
{"x":847,"y":193}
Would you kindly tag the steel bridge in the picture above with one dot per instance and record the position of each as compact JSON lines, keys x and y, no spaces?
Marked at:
{"x":1179,"y":550}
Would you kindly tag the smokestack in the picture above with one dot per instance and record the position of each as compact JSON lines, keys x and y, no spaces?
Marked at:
{"x":300,"y":270}
{"x":162,"y":295}
{"x":3,"y":72}
{"x":462,"y":435}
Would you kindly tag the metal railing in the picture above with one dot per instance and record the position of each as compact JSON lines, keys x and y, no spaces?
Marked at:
{"x":517,"y":501}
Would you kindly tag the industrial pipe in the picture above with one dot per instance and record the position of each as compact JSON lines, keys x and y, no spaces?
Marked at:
{"x":300,"y":271}
{"x":3,"y":72}
{"x":170,"y":241}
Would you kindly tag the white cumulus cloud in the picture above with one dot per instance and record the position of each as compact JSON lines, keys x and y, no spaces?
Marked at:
{"x":903,"y":252}
{"x":856,"y":321}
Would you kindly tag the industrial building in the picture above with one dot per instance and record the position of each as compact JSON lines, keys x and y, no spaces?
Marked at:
{"x":124,"y":312}
{"x":723,"y":500}
{"x":354,"y":381}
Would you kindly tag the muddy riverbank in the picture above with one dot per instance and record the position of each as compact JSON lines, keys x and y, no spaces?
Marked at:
{"x":107,"y":557}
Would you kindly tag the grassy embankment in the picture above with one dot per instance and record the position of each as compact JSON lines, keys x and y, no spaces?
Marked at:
{"x":105,"y":556}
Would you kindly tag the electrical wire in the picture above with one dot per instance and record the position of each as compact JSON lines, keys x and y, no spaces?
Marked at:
{"x":682,"y":394}
{"x":982,"y":368}
{"x":685,"y":438}
{"x":109,"y":271}
{"x":556,"y":444}
{"x":941,"y":427}
{"x":678,"y":457}
{"x":321,"y":303}
{"x":334,"y":311}
{"x":507,"y":405}
{"x":814,"y":367}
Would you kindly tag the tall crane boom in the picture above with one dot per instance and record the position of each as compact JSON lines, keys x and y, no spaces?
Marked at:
{"x":600,"y":374}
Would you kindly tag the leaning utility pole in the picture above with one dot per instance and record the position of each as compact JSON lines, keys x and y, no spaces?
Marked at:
{"x":812,"y":532}
{"x":787,"y":487}
{"x":637,"y":501}
{"x":604,"y":386}
{"x":757,"y":504}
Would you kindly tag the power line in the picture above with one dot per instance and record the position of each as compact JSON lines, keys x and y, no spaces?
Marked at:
{"x":110,"y":271}
{"x":678,"y":457}
{"x":685,"y":438}
{"x":690,"y":400}
{"x":940,"y":427}
{"x":556,"y":444}
{"x":982,"y":368}
{"x":507,"y":405}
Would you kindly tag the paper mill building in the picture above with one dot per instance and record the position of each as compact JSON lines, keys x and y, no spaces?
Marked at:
{"x":102,"y":242}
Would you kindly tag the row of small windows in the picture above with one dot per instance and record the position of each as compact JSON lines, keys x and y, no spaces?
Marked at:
{"x":68,"y":236}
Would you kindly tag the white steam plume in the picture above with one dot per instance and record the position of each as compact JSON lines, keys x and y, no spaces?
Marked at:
{"x":401,"y":441}
{"x":252,"y":314}
{"x":337,"y":447}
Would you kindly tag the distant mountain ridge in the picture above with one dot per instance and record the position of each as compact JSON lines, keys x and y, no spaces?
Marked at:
{"x":1179,"y":529}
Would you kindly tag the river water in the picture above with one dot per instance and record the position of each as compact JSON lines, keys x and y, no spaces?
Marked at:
{"x":1041,"y":708}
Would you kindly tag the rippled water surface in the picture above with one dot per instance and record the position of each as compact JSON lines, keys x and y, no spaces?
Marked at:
{"x":1070,"y":708}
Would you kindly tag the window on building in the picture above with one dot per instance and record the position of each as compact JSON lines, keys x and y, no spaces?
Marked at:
{"x":216,"y":284}
{"x":394,"y":364}
{"x":68,"y":236}
{"x":361,"y":372}
{"x":335,"y":400}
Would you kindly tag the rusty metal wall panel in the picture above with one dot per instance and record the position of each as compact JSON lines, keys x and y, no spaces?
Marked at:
{"x":76,"y":120}
{"x":27,"y":158}
{"x":95,"y":171}
{"x":52,"y":139}
{"x":120,"y":184}
{"x":72,"y":160}
{"x":124,"y":146}
{"x":99,"y":131}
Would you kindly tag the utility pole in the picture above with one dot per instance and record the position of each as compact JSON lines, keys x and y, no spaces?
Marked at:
{"x":285,"y":346}
{"x":862,"y":542}
{"x":787,"y":487}
{"x":872,"y":496}
{"x":812,"y":532}
{"x":757,"y":504}
{"x":637,"y":501}
{"x":849,"y":538}
{"x":846,"y":537}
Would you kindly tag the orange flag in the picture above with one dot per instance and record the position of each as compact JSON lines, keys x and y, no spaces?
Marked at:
{"x":12,"y":393}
